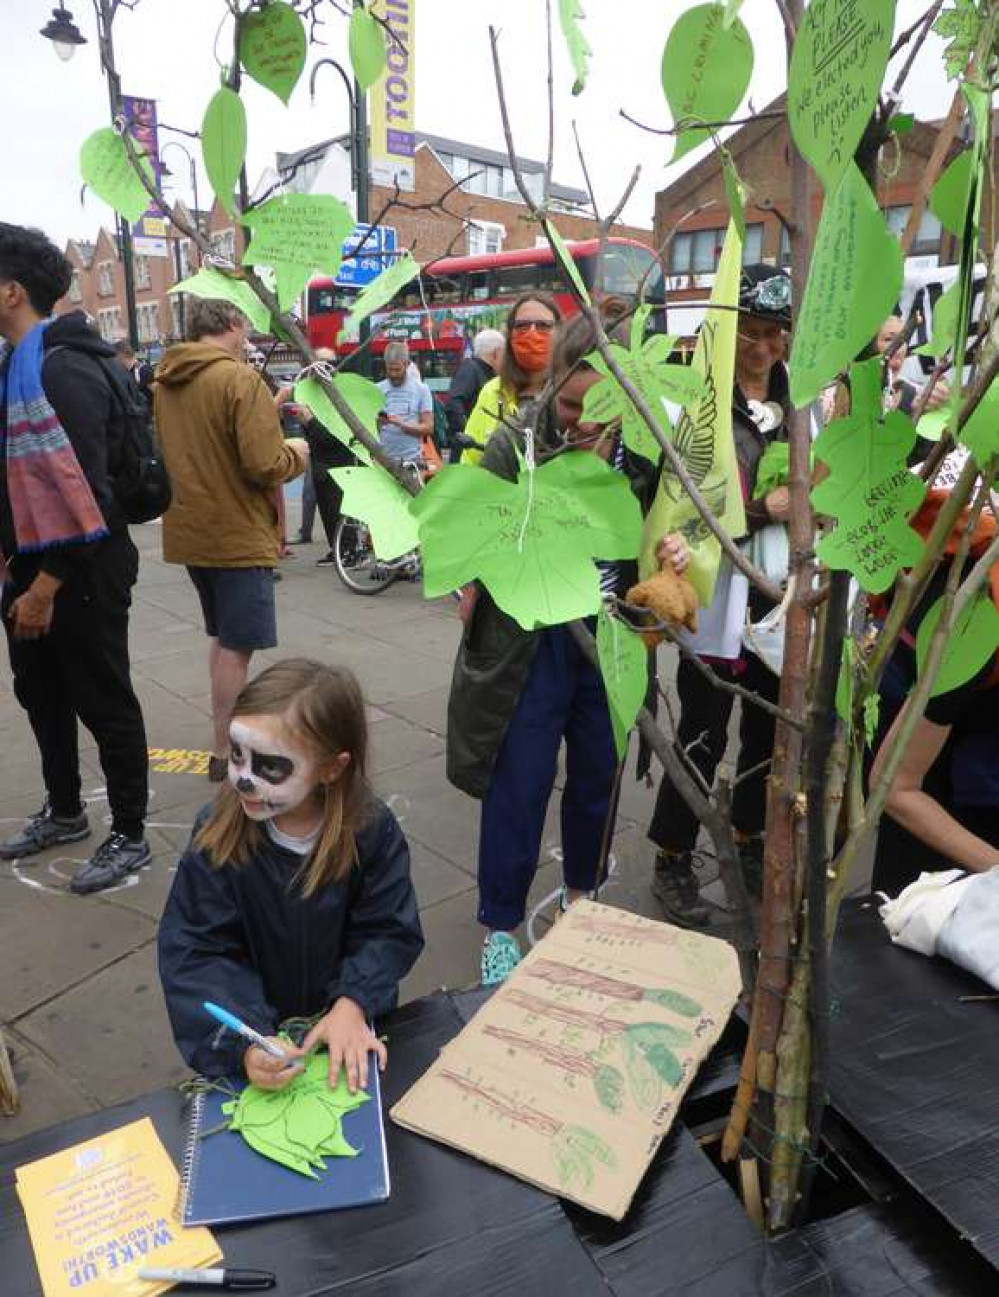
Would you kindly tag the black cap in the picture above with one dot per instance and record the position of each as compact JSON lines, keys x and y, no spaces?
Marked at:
{"x":765,"y":291}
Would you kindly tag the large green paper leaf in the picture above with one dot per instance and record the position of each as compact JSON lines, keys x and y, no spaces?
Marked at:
{"x":212,"y":283}
{"x":624,"y":665}
{"x":853,"y":285}
{"x":972,"y":641}
{"x":272,"y":47}
{"x":381,"y":290}
{"x":367,"y":47}
{"x":105,"y":167}
{"x":706,"y":69}
{"x":363,"y":397}
{"x":569,"y":14}
{"x":567,"y":264}
{"x":530,"y":542}
{"x":870,"y":490}
{"x":377,"y":499}
{"x":837,"y":66}
{"x":296,"y":234}
{"x":949,"y":198}
{"x":223,"y":144}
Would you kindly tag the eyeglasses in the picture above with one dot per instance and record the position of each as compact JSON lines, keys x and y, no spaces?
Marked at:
{"x":522,"y":326}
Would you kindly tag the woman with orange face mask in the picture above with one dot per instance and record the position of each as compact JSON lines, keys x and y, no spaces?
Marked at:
{"x":529,"y":330}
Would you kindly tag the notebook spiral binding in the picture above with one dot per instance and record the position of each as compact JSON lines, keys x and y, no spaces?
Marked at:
{"x":190,"y":1154}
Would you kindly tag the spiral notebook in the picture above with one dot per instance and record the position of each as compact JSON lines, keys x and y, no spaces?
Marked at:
{"x":224,"y":1181}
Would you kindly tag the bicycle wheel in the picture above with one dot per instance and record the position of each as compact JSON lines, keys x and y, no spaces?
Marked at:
{"x":356,"y":564}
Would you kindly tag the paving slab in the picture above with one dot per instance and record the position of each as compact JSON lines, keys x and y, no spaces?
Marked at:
{"x":395,"y":743}
{"x":47,"y":1091}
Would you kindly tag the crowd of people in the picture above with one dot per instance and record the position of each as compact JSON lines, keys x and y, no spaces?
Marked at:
{"x":296,"y":852}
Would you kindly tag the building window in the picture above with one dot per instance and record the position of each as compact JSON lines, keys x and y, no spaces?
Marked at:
{"x":105,"y":283}
{"x":109,"y":324}
{"x":696,"y":252}
{"x":752,"y":245}
{"x":927,"y":240}
{"x":142,"y":272}
{"x":485,"y":238}
{"x":184,"y":257}
{"x":177,"y":314}
{"x":149,"y":321}
{"x":224,"y":245}
{"x":75,"y":294}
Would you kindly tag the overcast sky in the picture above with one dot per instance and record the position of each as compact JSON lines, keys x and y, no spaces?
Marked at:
{"x":165,"y":52}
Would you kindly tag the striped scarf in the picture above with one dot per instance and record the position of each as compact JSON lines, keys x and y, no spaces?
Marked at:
{"x":50,"y":498}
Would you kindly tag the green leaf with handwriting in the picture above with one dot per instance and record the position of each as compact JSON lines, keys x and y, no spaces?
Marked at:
{"x":837,"y":66}
{"x":366,"y":42}
{"x":570,"y":12}
{"x":380,"y":291}
{"x":706,"y":69}
{"x":950,"y":195}
{"x":624,"y":665}
{"x":272,"y":46}
{"x":971,"y":643}
{"x":105,"y":167}
{"x":531,"y":542}
{"x":297,"y":234}
{"x":363,"y":397}
{"x":213,"y":284}
{"x":853,"y":284}
{"x":223,"y":144}
{"x":869,"y":491}
{"x":374,"y":496}
{"x":567,"y":266}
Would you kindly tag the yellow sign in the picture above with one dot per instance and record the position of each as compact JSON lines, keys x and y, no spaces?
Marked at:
{"x":178,"y":761}
{"x":393,"y":100}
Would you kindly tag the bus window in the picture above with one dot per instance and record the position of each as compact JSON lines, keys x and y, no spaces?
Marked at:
{"x":442,"y":291}
{"x":625,"y":271}
{"x":511,"y":281}
{"x":476,"y":285}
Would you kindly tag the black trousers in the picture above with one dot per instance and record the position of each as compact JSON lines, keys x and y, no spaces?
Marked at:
{"x":329,"y":498}
{"x":702,"y":732}
{"x":80,"y":671}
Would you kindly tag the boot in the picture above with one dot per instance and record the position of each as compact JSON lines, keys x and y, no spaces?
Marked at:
{"x":677,"y":891}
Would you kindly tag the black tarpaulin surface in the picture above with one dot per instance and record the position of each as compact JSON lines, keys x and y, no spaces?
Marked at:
{"x":916,"y":1071}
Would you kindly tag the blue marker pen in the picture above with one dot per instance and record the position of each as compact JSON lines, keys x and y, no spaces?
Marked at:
{"x":233,"y":1023}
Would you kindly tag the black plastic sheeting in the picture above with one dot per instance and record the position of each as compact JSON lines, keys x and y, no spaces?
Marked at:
{"x":454,"y":1226}
{"x":916,"y":1072}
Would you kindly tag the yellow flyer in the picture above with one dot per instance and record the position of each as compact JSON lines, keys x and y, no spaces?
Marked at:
{"x":102,"y":1210}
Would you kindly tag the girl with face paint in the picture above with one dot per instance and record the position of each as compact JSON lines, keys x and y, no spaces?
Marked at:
{"x":294,"y":899}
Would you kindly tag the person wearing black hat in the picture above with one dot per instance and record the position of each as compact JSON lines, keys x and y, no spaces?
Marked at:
{"x":760,"y":406}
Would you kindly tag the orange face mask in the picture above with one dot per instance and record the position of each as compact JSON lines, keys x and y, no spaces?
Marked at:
{"x":532,"y":350}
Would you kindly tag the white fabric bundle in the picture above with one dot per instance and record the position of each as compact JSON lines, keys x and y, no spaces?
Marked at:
{"x":952,"y":914}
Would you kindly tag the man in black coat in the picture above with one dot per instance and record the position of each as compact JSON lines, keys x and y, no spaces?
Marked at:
{"x":469,"y":379}
{"x":65,"y":605}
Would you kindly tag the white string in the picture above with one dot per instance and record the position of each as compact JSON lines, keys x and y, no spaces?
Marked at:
{"x":529,"y":465}
{"x":320,"y":368}
{"x":217,"y":262}
{"x":427,"y":312}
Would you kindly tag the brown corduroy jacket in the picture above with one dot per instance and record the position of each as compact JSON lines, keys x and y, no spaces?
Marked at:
{"x":224,"y":450}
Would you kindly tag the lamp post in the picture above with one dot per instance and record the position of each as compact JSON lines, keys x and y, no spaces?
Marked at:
{"x":177,"y":268}
{"x":65,"y":37}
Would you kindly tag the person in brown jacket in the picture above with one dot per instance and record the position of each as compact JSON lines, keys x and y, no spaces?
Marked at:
{"x":226,"y":455}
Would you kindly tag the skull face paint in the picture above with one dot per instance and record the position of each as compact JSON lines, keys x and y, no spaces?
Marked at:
{"x":271,"y":772}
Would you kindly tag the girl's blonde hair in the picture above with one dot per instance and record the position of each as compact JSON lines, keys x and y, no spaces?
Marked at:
{"x":325,"y":707}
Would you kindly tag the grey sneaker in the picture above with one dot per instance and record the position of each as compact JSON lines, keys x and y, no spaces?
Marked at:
{"x":677,"y":891}
{"x":44,"y":830}
{"x":113,"y":860}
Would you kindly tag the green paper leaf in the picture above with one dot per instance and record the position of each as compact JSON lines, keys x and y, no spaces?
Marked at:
{"x":971,"y":643}
{"x":530,"y":542}
{"x":363,"y":397}
{"x":105,"y":167}
{"x":853,"y":285}
{"x":844,"y":683}
{"x":735,"y":194}
{"x":367,"y":47}
{"x":950,"y":195}
{"x":902,"y":123}
{"x":223,"y":144}
{"x":706,"y":69}
{"x":378,"y":500}
{"x":569,"y":14}
{"x":296,"y":234}
{"x":624,"y":665}
{"x":380,"y":291}
{"x":272,"y":46}
{"x":944,"y":323}
{"x":568,"y":265}
{"x":213,"y":284}
{"x":960,"y":26}
{"x":870,"y":490}
{"x":981,"y":433}
{"x":773,"y":470}
{"x":837,"y":66}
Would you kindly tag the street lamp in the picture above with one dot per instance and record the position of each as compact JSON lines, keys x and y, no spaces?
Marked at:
{"x":63,"y":33}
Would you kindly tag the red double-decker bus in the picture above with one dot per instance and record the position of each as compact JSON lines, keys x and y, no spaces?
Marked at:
{"x":457,"y":296}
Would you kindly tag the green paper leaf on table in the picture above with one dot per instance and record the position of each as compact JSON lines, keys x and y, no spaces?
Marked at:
{"x":272,"y":47}
{"x":981,"y":433}
{"x":296,"y":234}
{"x":363,"y":397}
{"x":949,"y":196}
{"x":624,"y":665}
{"x":568,"y":265}
{"x":870,"y":490}
{"x":735,"y":194}
{"x":380,"y":291}
{"x":706,"y":69}
{"x":531,"y":543}
{"x":374,"y":496}
{"x":837,"y":66}
{"x":971,"y":643}
{"x":366,"y":42}
{"x":569,"y":14}
{"x":105,"y":167}
{"x":959,"y":25}
{"x":223,"y":144}
{"x":211,"y":283}
{"x":646,"y":367}
{"x":853,"y":284}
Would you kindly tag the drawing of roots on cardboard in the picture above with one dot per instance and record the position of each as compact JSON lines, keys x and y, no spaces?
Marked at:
{"x":571,"y":1074}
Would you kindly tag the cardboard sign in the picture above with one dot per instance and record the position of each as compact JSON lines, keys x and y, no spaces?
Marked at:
{"x":571,"y":1075}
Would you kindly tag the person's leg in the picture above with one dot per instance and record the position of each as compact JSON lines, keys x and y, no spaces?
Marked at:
{"x":245,"y":621}
{"x":756,"y":745}
{"x":329,"y":498}
{"x":308,"y":509}
{"x":229,"y":670}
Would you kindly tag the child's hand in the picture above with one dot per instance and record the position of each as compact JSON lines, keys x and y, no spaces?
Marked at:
{"x":348,"y":1038}
{"x":673,"y":549}
{"x":267,"y":1072}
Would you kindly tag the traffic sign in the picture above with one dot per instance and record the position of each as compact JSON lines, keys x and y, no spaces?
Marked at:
{"x":377,"y":254}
